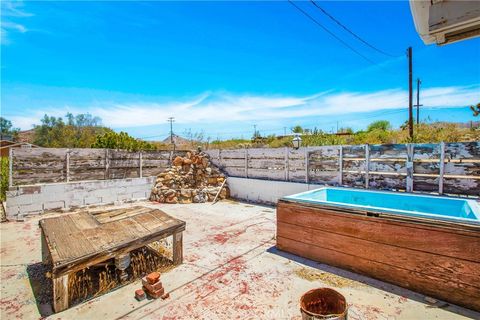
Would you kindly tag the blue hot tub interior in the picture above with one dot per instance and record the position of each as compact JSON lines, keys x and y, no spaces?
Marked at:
{"x":438,"y":207}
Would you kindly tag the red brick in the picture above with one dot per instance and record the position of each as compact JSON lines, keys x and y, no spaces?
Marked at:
{"x":155,"y":294}
{"x":140,"y":294}
{"x":153,"y":277}
{"x":151,"y":287}
{"x":166,"y":296}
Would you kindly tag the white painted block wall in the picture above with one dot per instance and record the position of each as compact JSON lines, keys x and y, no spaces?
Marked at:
{"x":36,"y":199}
{"x":265,"y":191}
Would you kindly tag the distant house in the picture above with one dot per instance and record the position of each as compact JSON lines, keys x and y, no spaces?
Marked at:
{"x":6,"y":145}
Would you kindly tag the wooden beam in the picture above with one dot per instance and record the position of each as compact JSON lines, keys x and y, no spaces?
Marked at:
{"x":246,"y":162}
{"x":441,"y":167}
{"x":67,"y":166}
{"x":306,"y":165}
{"x":140,"y":164}
{"x":10,"y":167}
{"x":177,"y":248}
{"x":340,"y":164}
{"x":367,"y":166}
{"x":286,"y":164}
{"x":107,"y":164}
{"x":60,"y":293}
{"x":409,"y":186}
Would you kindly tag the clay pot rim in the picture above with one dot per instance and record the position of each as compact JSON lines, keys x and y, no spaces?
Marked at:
{"x":324,"y":315}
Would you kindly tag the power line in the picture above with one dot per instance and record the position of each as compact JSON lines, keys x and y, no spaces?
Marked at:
{"x":348,"y":30}
{"x":331,"y":33}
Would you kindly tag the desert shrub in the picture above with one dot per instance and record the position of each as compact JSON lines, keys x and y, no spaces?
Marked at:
{"x":4,"y":178}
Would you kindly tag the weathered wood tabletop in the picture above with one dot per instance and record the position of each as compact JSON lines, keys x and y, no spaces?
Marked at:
{"x":72,"y":242}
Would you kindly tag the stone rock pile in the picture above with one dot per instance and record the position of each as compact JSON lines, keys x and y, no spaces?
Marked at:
{"x":192,"y":178}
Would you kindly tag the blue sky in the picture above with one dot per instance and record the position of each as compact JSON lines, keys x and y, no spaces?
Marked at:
{"x":221,"y":67}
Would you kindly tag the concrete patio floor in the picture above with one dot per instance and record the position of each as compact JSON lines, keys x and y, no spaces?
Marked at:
{"x":231,"y":270}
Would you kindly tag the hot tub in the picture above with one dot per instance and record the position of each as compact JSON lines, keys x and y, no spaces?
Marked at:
{"x":429,"y":244}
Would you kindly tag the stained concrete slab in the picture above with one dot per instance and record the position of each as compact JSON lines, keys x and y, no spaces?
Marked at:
{"x":231,"y":270}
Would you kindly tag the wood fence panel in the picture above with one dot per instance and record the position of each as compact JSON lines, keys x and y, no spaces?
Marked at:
{"x":462,"y":186}
{"x":296,"y":165}
{"x":38,"y":165}
{"x":86,"y":164}
{"x":123,"y":164}
{"x":154,"y":162}
{"x":388,"y":151}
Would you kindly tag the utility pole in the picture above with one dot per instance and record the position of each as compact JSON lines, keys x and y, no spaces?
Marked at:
{"x":418,"y":105}
{"x":410,"y":94}
{"x":171,"y":120}
{"x":254,"y":131}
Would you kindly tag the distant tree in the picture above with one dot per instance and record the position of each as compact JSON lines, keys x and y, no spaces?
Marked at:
{"x":297,"y":129}
{"x":256,"y":135}
{"x":78,"y":131}
{"x":346,"y":130}
{"x":383,"y":125}
{"x":6,"y":128}
{"x":122,"y":141}
{"x":475,"y":109}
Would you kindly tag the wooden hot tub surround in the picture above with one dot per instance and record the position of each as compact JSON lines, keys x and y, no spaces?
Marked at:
{"x":437,"y":258}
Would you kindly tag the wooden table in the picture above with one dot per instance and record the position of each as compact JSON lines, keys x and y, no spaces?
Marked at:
{"x":73,"y":242}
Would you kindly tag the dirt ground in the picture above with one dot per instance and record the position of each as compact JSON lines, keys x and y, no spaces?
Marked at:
{"x":231,"y":270}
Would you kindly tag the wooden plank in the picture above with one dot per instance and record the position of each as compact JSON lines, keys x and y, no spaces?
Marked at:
{"x":410,"y":157}
{"x":367,"y":165}
{"x":462,"y":150}
{"x":388,"y":151}
{"x":67,"y":166}
{"x":246,"y":162}
{"x":10,"y":167}
{"x":461,"y":186}
{"x":340,"y":165}
{"x":441,"y":167}
{"x":457,"y":293}
{"x":384,"y":181}
{"x":107,"y":164}
{"x":178,"y":248}
{"x":445,"y":268}
{"x":140,"y":165}
{"x":60,"y":293}
{"x":306,"y":166}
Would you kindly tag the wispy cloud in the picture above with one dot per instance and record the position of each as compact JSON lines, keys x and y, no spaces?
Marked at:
{"x":11,"y":11}
{"x":225,"y":107}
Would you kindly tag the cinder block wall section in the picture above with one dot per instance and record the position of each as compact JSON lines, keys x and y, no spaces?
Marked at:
{"x":265,"y":191}
{"x":36,"y":199}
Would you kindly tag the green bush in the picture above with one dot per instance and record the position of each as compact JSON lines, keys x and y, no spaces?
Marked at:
{"x":4,"y":178}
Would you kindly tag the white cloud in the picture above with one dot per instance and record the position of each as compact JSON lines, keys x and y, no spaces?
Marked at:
{"x":11,"y":10}
{"x":227,"y":107}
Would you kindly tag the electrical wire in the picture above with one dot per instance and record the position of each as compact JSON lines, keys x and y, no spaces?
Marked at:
{"x":331,"y":33}
{"x":350,"y":31}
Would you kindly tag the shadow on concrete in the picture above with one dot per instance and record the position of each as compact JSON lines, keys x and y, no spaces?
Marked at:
{"x":396,"y":290}
{"x":42,"y":287}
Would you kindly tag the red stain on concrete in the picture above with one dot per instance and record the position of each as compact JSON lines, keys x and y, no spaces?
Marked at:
{"x":243,"y":287}
{"x":11,"y":306}
{"x":223,"y":237}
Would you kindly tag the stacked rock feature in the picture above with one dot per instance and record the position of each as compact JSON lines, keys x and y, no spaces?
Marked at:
{"x":192,"y":178}
{"x":152,"y":285}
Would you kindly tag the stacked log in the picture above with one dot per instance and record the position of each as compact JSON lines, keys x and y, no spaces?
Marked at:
{"x":192,"y":178}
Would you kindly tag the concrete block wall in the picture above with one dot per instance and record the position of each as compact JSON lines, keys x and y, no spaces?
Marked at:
{"x":36,"y":199}
{"x":265,"y":191}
